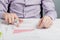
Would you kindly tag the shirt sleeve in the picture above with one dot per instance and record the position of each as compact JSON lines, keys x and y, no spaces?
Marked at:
{"x":49,"y":9}
{"x":3,"y":7}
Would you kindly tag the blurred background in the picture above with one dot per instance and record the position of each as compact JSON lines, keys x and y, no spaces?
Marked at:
{"x":57,"y":4}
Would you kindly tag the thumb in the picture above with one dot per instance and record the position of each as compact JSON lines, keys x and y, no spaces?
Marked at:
{"x":20,"y":20}
{"x":40,"y":24}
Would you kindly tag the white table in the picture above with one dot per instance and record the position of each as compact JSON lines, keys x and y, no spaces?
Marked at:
{"x":53,"y":33}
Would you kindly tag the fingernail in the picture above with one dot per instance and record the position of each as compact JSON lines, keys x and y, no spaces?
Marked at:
{"x":20,"y":21}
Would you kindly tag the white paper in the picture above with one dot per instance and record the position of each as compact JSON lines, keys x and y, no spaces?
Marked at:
{"x":53,"y":33}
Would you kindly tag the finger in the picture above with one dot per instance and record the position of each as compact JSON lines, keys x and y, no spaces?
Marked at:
{"x":48,"y":23}
{"x":15,"y":16}
{"x":20,"y":20}
{"x":41,"y":24}
{"x":10,"y":19}
{"x":5,"y":17}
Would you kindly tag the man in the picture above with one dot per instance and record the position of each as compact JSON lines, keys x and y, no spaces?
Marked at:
{"x":28,"y":9}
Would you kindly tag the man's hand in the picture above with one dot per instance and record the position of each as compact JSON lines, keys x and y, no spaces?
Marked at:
{"x":10,"y":17}
{"x":45,"y":22}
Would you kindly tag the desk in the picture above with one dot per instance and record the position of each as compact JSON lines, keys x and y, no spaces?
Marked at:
{"x":53,"y":33}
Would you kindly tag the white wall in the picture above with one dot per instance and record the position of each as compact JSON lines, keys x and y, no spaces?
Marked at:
{"x":57,"y":4}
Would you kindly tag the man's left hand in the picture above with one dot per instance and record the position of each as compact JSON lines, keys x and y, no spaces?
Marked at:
{"x":45,"y":22}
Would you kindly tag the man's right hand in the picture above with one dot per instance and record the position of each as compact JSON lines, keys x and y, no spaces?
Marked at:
{"x":10,"y":17}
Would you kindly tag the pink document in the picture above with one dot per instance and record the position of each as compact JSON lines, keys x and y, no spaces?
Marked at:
{"x":22,"y":30}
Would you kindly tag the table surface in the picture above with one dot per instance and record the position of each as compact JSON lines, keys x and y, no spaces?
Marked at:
{"x":28,"y":31}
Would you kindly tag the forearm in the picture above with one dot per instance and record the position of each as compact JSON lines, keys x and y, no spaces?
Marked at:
{"x":49,"y":9}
